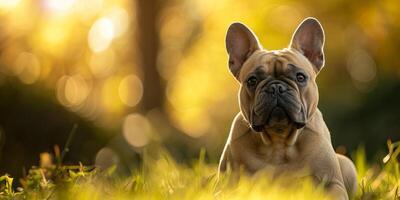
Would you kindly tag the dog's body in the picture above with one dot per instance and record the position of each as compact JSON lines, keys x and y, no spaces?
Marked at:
{"x":279,"y":128}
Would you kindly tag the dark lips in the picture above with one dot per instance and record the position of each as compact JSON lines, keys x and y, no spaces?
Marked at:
{"x":277,"y":118}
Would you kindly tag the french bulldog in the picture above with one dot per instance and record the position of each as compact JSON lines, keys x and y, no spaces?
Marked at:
{"x":279,"y":128}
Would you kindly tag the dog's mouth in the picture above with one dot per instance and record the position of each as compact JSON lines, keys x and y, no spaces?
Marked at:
{"x":278,"y":121}
{"x":277,"y":111}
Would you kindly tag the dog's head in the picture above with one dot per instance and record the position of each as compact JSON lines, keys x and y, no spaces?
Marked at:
{"x":278,"y":92}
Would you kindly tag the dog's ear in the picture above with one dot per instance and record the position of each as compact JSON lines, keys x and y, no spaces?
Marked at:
{"x":309,"y":40}
{"x":241,"y":42}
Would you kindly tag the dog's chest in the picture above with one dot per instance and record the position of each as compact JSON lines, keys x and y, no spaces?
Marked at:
{"x":276,"y":154}
{"x":275,"y":159}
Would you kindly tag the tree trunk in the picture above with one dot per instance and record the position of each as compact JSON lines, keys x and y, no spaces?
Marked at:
{"x":148,"y":41}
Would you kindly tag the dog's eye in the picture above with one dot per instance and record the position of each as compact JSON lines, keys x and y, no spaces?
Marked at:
{"x":301,"y":77}
{"x":252,"y":81}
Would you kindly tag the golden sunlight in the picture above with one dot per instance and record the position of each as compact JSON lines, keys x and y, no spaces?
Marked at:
{"x":8,"y":4}
{"x":120,"y":20}
{"x":59,"y":6}
{"x":101,"y":34}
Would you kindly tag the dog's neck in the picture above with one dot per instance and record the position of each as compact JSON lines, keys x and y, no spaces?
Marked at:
{"x":288,"y":138}
{"x":292,"y":136}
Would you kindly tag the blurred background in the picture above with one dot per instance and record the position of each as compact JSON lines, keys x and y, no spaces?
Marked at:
{"x":139,"y":75}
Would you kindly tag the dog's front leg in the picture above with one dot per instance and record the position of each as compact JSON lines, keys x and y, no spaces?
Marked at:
{"x":337,"y":190}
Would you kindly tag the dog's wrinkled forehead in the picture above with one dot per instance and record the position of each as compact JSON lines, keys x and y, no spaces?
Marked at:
{"x":275,"y":62}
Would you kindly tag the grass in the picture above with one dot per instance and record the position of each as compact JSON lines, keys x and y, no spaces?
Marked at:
{"x":162,"y":178}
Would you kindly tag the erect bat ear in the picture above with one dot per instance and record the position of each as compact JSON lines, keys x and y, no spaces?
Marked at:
{"x":241,"y":42}
{"x":309,"y":40}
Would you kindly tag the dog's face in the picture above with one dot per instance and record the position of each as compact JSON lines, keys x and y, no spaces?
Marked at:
{"x":278,"y":92}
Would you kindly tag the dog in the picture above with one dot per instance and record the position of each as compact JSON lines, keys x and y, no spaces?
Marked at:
{"x":279,"y":128}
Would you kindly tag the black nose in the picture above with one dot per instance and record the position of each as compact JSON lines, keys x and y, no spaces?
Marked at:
{"x":276,"y":88}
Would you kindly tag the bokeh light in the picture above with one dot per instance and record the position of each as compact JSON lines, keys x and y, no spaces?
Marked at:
{"x":72,"y":90}
{"x":120,"y":20}
{"x":27,"y":67}
{"x":106,"y":158}
{"x":101,"y":34}
{"x":130,"y":90}
{"x":53,"y":36}
{"x":361,"y":66}
{"x":58,"y":6}
{"x":136,"y":130}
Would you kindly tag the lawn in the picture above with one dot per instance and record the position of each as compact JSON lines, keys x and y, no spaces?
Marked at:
{"x":161,"y":177}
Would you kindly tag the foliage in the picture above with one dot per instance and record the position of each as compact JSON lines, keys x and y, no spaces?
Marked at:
{"x":163,"y":178}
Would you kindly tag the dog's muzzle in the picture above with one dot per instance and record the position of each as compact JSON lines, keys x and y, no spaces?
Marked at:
{"x":277,"y":106}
